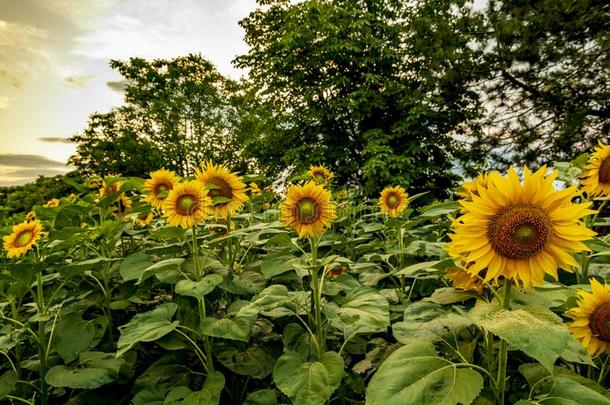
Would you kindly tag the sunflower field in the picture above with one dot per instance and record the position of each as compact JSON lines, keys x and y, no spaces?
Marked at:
{"x":221,"y":289}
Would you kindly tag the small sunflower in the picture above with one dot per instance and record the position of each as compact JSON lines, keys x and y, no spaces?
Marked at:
{"x":159,"y":185}
{"x":320,"y":174}
{"x":595,"y":179}
{"x":463,"y":280}
{"x":108,"y":189}
{"x":22,"y":238}
{"x":226,"y":189}
{"x":54,"y":202}
{"x":187,"y":204}
{"x":592,"y":318}
{"x":520,"y":230}
{"x":254,"y":189}
{"x":393,"y":200}
{"x":144,"y":218}
{"x":30,"y":216}
{"x":95,"y":182}
{"x":308,"y":209}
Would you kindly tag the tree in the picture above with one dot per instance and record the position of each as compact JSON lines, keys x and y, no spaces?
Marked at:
{"x":548,"y":90}
{"x":377,"y":90}
{"x":177,"y":114}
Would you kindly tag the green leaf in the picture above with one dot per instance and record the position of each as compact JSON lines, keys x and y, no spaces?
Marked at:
{"x":86,"y":378}
{"x":8,"y":381}
{"x":546,"y":383}
{"x":99,"y":369}
{"x":133,"y":265}
{"x":198,"y":289}
{"x":261,"y":397}
{"x":162,"y":266}
{"x":535,"y":330}
{"x":415,"y":375}
{"x":363,"y":311}
{"x":73,"y":335}
{"x":308,"y":382}
{"x":147,"y":327}
{"x":234,"y":329}
{"x":210,"y":392}
{"x":425,"y":320}
{"x":255,"y":361}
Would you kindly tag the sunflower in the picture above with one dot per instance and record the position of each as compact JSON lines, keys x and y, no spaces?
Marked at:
{"x":23,"y":237}
{"x":226,"y":189}
{"x":595,"y":179}
{"x":144,"y":218}
{"x":463,"y":280}
{"x":393,"y":200}
{"x":109,"y":189}
{"x":320,"y":174}
{"x":470,"y":188}
{"x":53,"y":202}
{"x":161,"y":182}
{"x":254,"y":189}
{"x":187,"y":204}
{"x":518,"y":230}
{"x":30,"y":216}
{"x":308,"y":209}
{"x":592,"y":318}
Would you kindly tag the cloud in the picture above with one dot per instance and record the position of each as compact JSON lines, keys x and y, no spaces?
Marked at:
{"x":118,"y":86}
{"x":77,"y":81}
{"x":28,"y":161}
{"x":55,"y":139}
{"x":4,"y":102}
{"x":26,"y":173}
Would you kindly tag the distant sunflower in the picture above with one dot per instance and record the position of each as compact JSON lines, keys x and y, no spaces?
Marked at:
{"x":520,"y":231}
{"x":308,"y":209}
{"x":226,"y":189}
{"x":320,"y":174}
{"x":159,"y":185}
{"x":108,"y":189}
{"x":30,"y":216}
{"x":54,"y":202}
{"x":595,"y":179}
{"x":22,"y":238}
{"x":255,"y":189}
{"x":144,"y":218}
{"x":393,"y":200}
{"x":592,"y":318}
{"x":187,"y":204}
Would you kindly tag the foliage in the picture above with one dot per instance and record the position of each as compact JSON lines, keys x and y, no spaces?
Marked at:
{"x":177,"y":114}
{"x":353,"y":85}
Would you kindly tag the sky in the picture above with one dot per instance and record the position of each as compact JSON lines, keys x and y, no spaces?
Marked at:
{"x":54,"y":69}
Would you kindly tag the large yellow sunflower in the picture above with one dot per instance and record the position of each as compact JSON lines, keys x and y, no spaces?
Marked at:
{"x":144,"y":218}
{"x":226,"y":189}
{"x":320,"y":174}
{"x":393,"y":200}
{"x":187,"y":204}
{"x":159,"y":185}
{"x":22,"y":238}
{"x":308,"y":209}
{"x":592,"y":318}
{"x":518,"y":230}
{"x":595,"y":179}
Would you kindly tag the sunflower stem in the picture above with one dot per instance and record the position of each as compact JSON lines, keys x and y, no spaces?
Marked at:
{"x":209,"y":366}
{"x":400,"y":237}
{"x":316,"y":297}
{"x":503,"y":352}
{"x":44,"y":396}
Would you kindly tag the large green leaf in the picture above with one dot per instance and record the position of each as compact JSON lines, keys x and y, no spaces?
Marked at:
{"x":415,"y":375}
{"x":254,"y":361}
{"x":210,"y":392}
{"x":238,"y":328}
{"x":162,"y":266}
{"x":198,"y":289}
{"x":95,"y":369}
{"x":8,"y":381}
{"x":308,"y":382}
{"x":147,"y":327}
{"x":364,"y":310}
{"x":425,"y":320}
{"x":535,"y":330}
{"x":133,"y":265}
{"x":261,"y":397}
{"x":73,"y":335}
